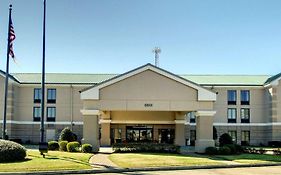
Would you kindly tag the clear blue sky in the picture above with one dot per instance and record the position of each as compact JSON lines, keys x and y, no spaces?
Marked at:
{"x":113,"y":36}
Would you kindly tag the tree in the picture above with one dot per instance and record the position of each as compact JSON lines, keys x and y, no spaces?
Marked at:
{"x":225,"y":139}
{"x":67,"y":135}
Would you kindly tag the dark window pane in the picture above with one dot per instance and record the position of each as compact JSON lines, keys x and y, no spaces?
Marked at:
{"x":51,"y":96}
{"x":231,"y":97}
{"x":51,"y":113}
{"x":245,"y":97}
{"x":37,"y":95}
{"x":36,"y":114}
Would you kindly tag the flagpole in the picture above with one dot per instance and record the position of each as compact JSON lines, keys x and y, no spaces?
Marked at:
{"x":43,"y":79}
{"x":7,"y":77}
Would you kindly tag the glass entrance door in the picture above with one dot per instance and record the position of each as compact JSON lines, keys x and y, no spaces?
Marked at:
{"x":139,"y":134}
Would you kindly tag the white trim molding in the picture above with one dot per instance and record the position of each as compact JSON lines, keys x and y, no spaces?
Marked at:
{"x":205,"y":113}
{"x":141,"y":122}
{"x":90,"y":112}
{"x":179,"y":121}
{"x":38,"y":123}
{"x":101,"y":121}
{"x":203,"y":93}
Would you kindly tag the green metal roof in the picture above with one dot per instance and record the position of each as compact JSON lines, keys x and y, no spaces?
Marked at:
{"x":71,"y":78}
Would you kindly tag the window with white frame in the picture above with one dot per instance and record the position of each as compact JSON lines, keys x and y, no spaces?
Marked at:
{"x":51,"y":95}
{"x":245,"y":115}
{"x":233,"y":135}
{"x":245,"y":97}
{"x":36,"y":113}
{"x":231,"y":97}
{"x":51,"y":113}
{"x":231,"y":115}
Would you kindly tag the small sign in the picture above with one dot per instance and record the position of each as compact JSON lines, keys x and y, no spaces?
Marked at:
{"x":148,"y":105}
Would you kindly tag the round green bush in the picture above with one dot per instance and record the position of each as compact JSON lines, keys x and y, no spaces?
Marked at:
{"x":232,"y":148}
{"x":239,"y":148}
{"x":87,"y":148}
{"x":224,"y":150}
{"x":225,"y":139}
{"x":67,"y":135}
{"x":53,"y":145}
{"x":62,"y":145}
{"x":211,"y":151}
{"x":11,"y":151}
{"x":73,"y":146}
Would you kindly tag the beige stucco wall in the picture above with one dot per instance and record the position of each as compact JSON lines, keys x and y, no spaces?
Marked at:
{"x":258,"y":112}
{"x":142,"y":116}
{"x":147,"y":87}
{"x":65,"y":107}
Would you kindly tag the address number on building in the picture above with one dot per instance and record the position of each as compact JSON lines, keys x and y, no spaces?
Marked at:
{"x":148,"y":105}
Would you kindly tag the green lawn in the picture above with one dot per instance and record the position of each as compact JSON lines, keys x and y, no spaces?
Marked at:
{"x":253,"y":158}
{"x":136,"y":160}
{"x":54,"y":160}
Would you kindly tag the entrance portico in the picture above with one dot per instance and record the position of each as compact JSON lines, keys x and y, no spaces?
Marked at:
{"x":146,"y":104}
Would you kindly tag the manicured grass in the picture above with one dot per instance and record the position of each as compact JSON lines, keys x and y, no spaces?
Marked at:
{"x":253,"y":158}
{"x":137,"y":160}
{"x":54,"y":160}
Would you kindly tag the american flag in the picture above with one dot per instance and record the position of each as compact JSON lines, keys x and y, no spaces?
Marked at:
{"x":11,"y":39}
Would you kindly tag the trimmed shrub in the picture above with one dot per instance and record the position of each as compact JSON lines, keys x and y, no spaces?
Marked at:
{"x":225,"y":139}
{"x":73,"y":146}
{"x":277,"y":151}
{"x":68,"y":135}
{"x":211,"y":151}
{"x":145,"y":147}
{"x":239,"y":148}
{"x":53,"y":145}
{"x":232,"y":148}
{"x":62,"y":145}
{"x":261,"y":151}
{"x":224,"y":150}
{"x":87,"y":148}
{"x":11,"y":151}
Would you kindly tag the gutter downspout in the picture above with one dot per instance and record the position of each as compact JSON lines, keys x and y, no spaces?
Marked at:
{"x":71,"y":107}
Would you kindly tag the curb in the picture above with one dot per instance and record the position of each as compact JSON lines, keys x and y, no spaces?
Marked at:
{"x":91,"y":171}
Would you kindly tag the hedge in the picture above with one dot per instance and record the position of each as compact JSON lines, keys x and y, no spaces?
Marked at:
{"x":11,"y":151}
{"x":145,"y":147}
{"x":87,"y":148}
{"x":53,"y":145}
{"x":73,"y":146}
{"x":62,"y":145}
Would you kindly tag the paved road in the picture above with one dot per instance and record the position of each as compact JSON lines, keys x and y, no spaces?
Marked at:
{"x":273,"y":170}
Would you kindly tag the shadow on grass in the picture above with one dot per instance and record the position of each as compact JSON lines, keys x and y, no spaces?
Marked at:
{"x":250,"y":157}
{"x":19,"y":161}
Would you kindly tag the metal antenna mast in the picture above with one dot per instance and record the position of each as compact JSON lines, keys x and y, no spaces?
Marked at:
{"x":156,"y":51}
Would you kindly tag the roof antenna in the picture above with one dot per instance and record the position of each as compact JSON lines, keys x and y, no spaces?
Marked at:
{"x":156,"y":51}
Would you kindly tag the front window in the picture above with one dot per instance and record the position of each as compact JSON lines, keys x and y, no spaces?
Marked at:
{"x":233,"y":135}
{"x":192,"y":137}
{"x":245,"y":115}
{"x":37,"y":95}
{"x":36,"y":113}
{"x":231,"y":115}
{"x":51,"y":113}
{"x":245,"y":138}
{"x":191,"y":117}
{"x":139,"y":134}
{"x":231,"y":97}
{"x":51,"y":97}
{"x":166,"y":136}
{"x":245,"y":97}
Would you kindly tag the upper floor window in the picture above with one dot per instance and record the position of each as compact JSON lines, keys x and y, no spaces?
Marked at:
{"x":231,"y":115}
{"x":37,"y":95}
{"x":51,"y":96}
{"x":36,"y":113}
{"x":245,"y":97}
{"x":191,"y":117}
{"x":51,"y":114}
{"x":245,"y":138}
{"x":231,"y":97}
{"x":245,"y":115}
{"x":233,"y":134}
